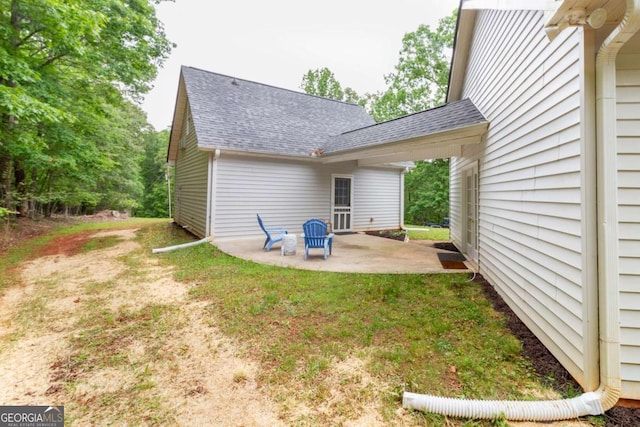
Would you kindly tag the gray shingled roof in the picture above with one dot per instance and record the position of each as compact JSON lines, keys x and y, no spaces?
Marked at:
{"x":446,"y":117}
{"x":243,"y":115}
{"x":236,"y":114}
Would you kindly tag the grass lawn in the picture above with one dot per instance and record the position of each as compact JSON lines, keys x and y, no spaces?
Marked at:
{"x":435,"y":334}
{"x":428,"y":233}
{"x":329,"y":342}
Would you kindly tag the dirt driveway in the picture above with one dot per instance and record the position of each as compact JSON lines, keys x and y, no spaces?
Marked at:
{"x":194,"y":376}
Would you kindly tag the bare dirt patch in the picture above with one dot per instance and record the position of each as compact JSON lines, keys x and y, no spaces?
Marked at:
{"x":191,"y":375}
{"x":66,"y":245}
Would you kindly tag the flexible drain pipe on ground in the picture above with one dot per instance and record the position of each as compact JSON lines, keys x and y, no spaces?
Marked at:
{"x":184,"y":245}
{"x":550,"y":410}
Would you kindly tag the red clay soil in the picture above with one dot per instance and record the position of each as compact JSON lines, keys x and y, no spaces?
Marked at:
{"x":19,"y":230}
{"x":68,"y":245}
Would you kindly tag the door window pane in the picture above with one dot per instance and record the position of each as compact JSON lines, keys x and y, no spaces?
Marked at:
{"x":342,"y":196}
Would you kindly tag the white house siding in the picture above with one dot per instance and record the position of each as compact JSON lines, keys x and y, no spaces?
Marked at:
{"x":373,"y":189}
{"x":286,"y":193}
{"x":530,"y":203}
{"x":628,"y":116}
{"x":191,"y":184}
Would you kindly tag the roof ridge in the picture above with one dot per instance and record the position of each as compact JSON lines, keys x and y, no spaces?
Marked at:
{"x":269,"y":85}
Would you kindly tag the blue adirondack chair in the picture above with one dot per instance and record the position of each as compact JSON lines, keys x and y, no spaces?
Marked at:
{"x":315,"y":236}
{"x":274,"y":234}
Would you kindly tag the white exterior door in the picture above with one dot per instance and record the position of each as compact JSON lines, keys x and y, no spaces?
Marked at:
{"x":471,"y":212}
{"x":341,"y":201}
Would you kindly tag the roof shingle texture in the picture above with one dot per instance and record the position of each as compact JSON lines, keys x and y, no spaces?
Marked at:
{"x":243,"y":115}
{"x":447,"y":117}
{"x":247,"y":116}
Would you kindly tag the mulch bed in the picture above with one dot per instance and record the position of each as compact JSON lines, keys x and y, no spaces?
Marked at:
{"x":446,"y":246}
{"x":388,"y":234}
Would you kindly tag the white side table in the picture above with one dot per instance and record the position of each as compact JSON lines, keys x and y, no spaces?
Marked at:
{"x":289,"y":245}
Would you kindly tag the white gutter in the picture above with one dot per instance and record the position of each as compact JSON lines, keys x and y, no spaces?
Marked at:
{"x":607,"y":395}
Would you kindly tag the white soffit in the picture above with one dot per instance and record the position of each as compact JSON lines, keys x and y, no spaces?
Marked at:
{"x":424,"y":154}
{"x":439,"y":145}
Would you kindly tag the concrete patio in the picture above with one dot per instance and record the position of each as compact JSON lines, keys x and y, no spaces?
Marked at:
{"x":352,"y":253}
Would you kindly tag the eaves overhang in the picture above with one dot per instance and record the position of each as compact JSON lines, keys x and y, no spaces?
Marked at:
{"x":443,"y":144}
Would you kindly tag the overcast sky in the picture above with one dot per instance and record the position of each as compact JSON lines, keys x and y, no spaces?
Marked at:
{"x":276,"y":42}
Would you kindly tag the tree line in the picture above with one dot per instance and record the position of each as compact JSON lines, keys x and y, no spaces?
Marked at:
{"x":74,"y":140}
{"x":418,"y":82}
{"x":72,"y":136}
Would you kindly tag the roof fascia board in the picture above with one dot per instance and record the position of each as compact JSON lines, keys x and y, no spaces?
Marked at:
{"x":178,"y":117}
{"x":383,"y":163}
{"x":466,"y":24}
{"x":405,"y":153}
{"x":248,"y":153}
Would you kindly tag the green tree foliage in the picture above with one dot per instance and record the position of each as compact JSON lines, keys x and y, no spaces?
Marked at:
{"x":154,"y":178}
{"x":322,"y":82}
{"x":421,"y":77}
{"x":70,"y":135}
{"x":427,"y":192}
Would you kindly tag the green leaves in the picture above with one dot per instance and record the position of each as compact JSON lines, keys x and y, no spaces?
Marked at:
{"x":69,"y":134}
{"x":153,"y":170}
{"x":17,"y":102}
{"x":322,"y":82}
{"x":421,"y":76}
{"x":427,"y":192}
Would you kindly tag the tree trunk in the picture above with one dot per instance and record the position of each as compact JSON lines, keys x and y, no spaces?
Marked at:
{"x":32,"y":203}
{"x":5,"y":181}
{"x":20,"y":177}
